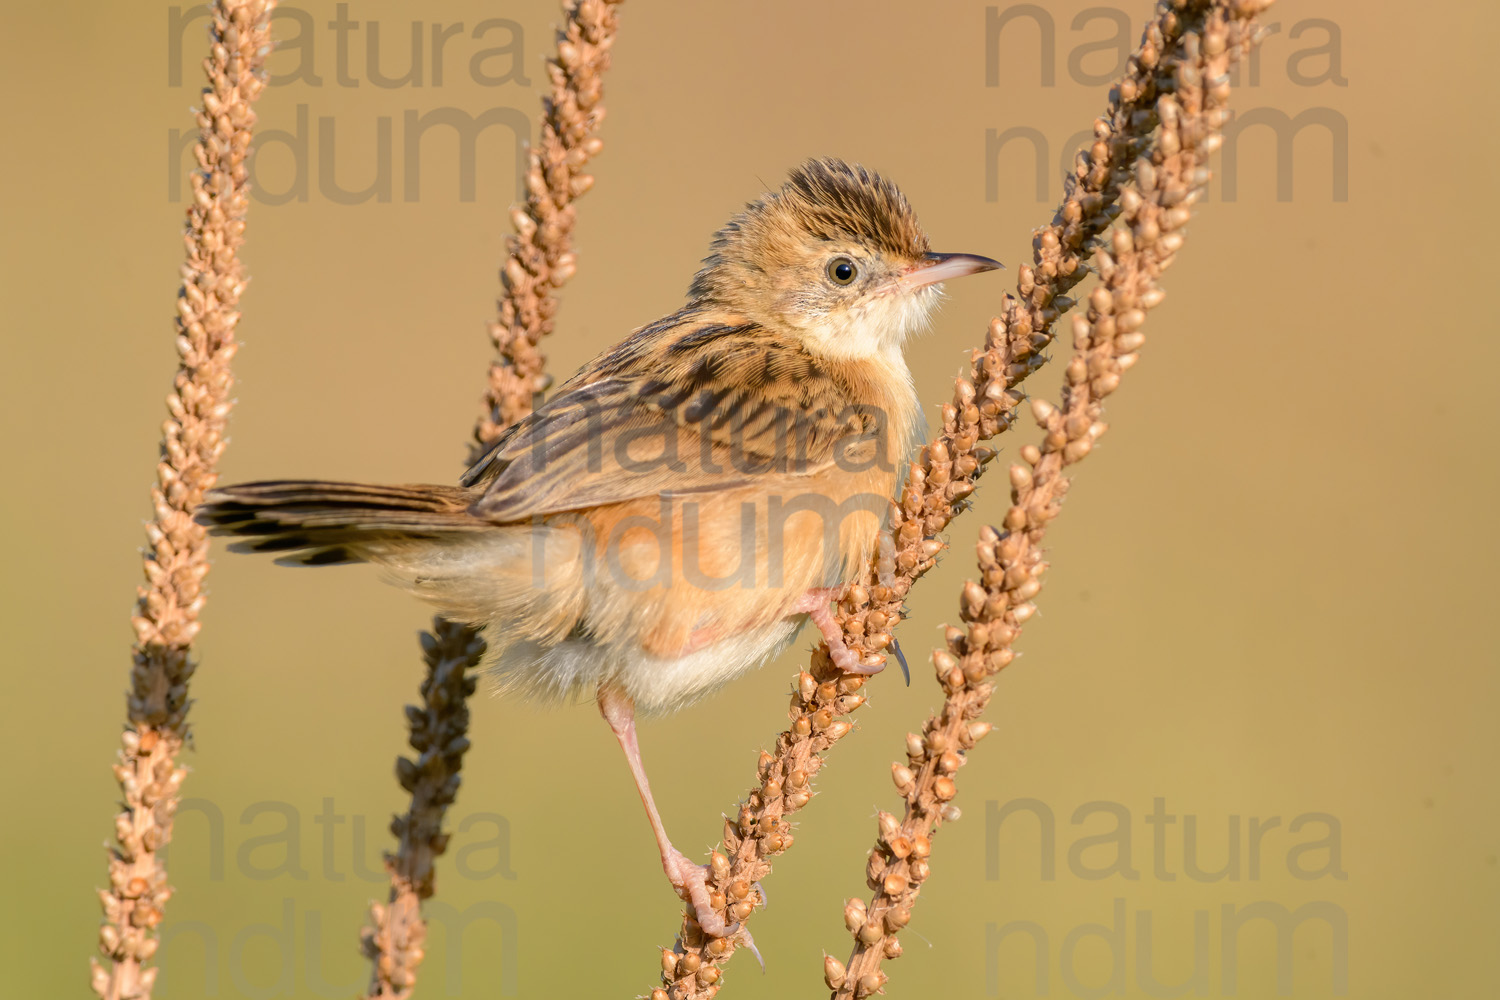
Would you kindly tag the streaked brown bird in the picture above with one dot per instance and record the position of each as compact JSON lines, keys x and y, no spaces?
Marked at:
{"x":675,"y":512}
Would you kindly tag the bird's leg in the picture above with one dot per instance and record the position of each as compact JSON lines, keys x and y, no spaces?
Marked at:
{"x":688,"y":879}
{"x":814,"y":604}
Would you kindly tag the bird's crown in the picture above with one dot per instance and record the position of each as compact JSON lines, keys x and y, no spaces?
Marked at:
{"x":825,"y":204}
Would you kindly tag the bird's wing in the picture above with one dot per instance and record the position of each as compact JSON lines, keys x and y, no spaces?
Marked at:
{"x":689,"y":404}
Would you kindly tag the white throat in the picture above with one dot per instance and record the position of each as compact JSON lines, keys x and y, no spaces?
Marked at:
{"x":874,"y":327}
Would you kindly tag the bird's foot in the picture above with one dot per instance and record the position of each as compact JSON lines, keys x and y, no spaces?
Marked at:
{"x":690,"y":880}
{"x":848,"y":660}
{"x":814,"y":604}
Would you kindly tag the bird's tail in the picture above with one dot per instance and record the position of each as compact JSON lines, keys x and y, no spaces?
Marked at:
{"x":314,"y":523}
{"x":526,"y":575}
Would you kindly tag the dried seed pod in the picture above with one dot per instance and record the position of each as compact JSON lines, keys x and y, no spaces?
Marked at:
{"x":833,"y":972}
{"x":806,"y":686}
{"x":874,"y":870}
{"x":854,"y":914}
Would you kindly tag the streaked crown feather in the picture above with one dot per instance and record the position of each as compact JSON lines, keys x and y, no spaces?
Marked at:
{"x":823,"y":200}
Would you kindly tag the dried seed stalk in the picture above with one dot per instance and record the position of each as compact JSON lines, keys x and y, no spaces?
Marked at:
{"x":1194,"y":43}
{"x":167,"y":607}
{"x":540,"y":260}
{"x":936,"y":491}
{"x":394,"y":939}
{"x":541,"y":251}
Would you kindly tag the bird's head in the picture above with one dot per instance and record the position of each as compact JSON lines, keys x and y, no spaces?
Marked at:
{"x":835,"y":258}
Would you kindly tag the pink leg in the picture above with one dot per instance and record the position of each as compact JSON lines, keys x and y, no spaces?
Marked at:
{"x":688,"y":879}
{"x":814,"y":604}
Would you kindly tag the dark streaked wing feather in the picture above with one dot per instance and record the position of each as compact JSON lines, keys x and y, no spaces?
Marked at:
{"x":695,"y":402}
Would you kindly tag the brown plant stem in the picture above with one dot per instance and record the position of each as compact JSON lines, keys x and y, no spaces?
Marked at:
{"x":540,"y":261}
{"x":936,"y":490}
{"x":395,"y":938}
{"x":541,"y":251}
{"x":167,"y":607}
{"x":1194,"y":42}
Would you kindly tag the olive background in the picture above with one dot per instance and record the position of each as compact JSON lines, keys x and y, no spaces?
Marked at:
{"x":1272,"y":587}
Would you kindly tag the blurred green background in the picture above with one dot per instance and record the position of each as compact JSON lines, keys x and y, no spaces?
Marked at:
{"x":1272,"y":590}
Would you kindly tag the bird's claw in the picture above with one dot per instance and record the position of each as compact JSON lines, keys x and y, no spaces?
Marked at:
{"x":850,"y":662}
{"x":690,"y":880}
{"x":815,"y":604}
{"x":746,"y":941}
{"x":844,"y":658}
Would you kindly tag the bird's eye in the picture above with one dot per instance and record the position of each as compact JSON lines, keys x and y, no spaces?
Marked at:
{"x":841,"y":270}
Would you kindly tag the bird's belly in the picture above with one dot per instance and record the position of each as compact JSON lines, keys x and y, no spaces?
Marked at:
{"x":678,"y":573}
{"x":674,"y":598}
{"x":658,"y":684}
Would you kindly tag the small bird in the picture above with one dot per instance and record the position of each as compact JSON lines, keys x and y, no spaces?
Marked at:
{"x":677,"y":510}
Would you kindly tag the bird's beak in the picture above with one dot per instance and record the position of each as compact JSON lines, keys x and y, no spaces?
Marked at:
{"x":942,"y":266}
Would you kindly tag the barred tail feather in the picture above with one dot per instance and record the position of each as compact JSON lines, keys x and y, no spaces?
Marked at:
{"x":525,"y":578}
{"x":316,"y":523}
